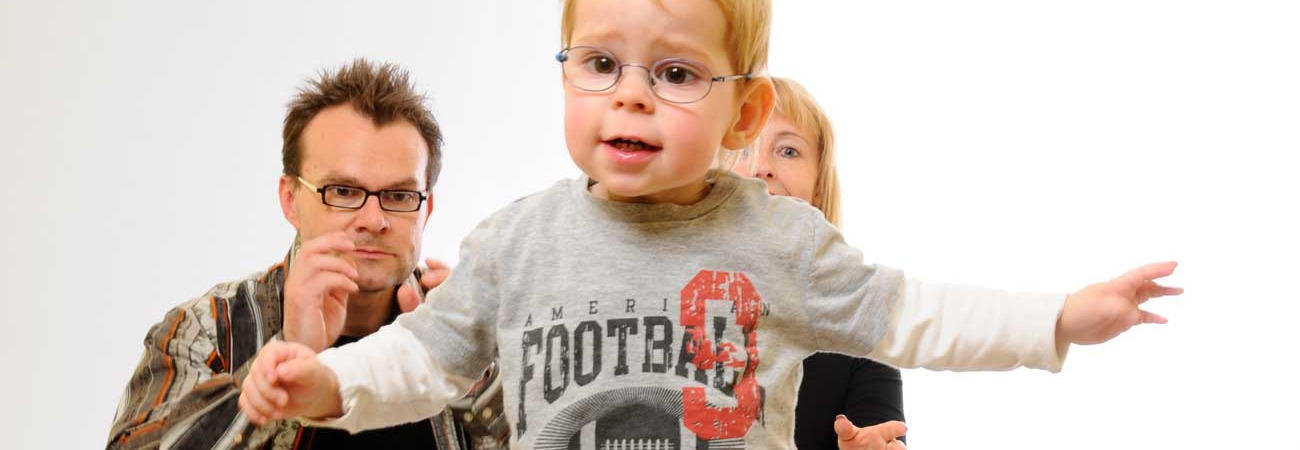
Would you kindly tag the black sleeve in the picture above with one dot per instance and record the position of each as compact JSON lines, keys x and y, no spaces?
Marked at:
{"x":867,"y":392}
{"x":875,"y":393}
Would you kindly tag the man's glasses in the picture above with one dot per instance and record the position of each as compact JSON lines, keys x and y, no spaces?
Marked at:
{"x":348,"y":197}
{"x":675,"y":80}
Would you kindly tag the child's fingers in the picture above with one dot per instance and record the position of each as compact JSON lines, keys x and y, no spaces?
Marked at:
{"x":248,"y":411}
{"x":1161,"y":291}
{"x":270,"y":356}
{"x":255,"y":405}
{"x":1139,"y":276}
{"x":1150,"y":317}
{"x":297,"y":372}
{"x":278,"y":397}
{"x":1151,"y":290}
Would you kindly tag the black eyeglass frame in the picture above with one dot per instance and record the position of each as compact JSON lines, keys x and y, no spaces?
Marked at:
{"x":377,"y":194}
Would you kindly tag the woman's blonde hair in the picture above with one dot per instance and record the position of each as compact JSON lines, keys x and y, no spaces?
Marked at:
{"x":796,"y":105}
{"x":748,"y":25}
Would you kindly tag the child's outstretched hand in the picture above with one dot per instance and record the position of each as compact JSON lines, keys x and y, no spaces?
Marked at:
{"x":286,"y":380}
{"x":879,"y":437}
{"x":1099,"y":312}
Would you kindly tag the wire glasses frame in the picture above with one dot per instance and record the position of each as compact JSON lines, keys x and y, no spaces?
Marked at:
{"x":350,"y":197}
{"x":674,"y":80}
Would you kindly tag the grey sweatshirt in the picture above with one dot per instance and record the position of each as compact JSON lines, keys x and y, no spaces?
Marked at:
{"x":623,"y":325}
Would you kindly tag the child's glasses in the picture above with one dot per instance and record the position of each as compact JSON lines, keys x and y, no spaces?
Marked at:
{"x":675,"y":80}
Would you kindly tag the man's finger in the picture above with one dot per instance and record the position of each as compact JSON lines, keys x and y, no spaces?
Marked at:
{"x":434,"y":274}
{"x":407,"y":299}
{"x":1139,"y":276}
{"x":337,"y":241}
{"x":896,"y":445}
{"x":336,"y":282}
{"x":433,"y":264}
{"x":329,"y":263}
{"x":434,"y":278}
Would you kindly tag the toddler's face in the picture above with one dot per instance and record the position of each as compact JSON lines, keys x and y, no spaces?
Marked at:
{"x":786,"y":159}
{"x":637,"y":146}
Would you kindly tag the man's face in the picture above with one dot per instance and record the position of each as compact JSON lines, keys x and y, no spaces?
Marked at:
{"x":342,"y":147}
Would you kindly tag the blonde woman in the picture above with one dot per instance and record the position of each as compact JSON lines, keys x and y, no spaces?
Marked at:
{"x":795,"y":156}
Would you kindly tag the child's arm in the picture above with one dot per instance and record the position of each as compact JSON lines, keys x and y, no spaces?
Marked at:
{"x":964,"y":328}
{"x":954,"y":327}
{"x":386,"y":379}
{"x":861,"y":308}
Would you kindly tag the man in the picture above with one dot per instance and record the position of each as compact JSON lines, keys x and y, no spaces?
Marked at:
{"x":361,"y":154}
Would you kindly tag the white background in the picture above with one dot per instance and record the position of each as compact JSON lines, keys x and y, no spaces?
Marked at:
{"x":1034,"y":145}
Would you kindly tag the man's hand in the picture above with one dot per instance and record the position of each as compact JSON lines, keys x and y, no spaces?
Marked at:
{"x":408,"y":298}
{"x":316,"y":291}
{"x":286,"y":380}
{"x":879,"y":437}
{"x":1100,"y":312}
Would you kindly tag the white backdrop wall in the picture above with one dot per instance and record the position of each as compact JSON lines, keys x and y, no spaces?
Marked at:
{"x":1031,"y":145}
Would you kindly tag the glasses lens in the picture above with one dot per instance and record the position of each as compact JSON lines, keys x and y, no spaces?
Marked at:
{"x":400,"y":201}
{"x":590,"y":69}
{"x":681,"y":80}
{"x":344,"y":197}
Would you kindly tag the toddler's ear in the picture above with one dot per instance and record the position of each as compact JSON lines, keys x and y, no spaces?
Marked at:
{"x":756,"y":104}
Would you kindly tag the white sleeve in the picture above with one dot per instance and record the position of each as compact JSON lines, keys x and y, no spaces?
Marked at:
{"x":388,"y":378}
{"x":953,"y":327}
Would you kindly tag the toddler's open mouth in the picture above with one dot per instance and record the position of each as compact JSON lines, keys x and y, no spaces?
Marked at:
{"x":631,"y":145}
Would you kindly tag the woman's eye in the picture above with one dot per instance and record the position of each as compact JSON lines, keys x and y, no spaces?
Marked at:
{"x":678,"y":74}
{"x":788,"y":152}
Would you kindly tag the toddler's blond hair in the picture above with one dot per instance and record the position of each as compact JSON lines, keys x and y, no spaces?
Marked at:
{"x":748,"y":26}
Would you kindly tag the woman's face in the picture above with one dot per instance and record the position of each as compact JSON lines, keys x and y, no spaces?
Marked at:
{"x":787,"y":159}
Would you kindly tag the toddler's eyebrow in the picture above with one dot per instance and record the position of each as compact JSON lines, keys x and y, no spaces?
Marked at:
{"x":682,"y":48}
{"x":675,"y":47}
{"x":599,"y":36}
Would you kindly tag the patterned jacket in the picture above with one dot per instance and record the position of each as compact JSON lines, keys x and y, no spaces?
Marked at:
{"x":185,"y":391}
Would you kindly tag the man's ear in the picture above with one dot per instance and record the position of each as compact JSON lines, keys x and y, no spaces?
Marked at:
{"x":755,"y":108}
{"x":428,"y":207}
{"x":288,"y":201}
